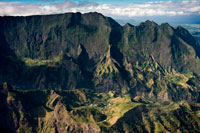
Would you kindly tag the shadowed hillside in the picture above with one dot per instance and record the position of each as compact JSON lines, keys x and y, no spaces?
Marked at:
{"x":78,"y":72}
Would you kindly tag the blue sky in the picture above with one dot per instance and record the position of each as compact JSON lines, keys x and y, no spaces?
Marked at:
{"x":174,"y":11}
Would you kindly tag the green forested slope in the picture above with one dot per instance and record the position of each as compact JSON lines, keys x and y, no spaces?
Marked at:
{"x":85,"y":73}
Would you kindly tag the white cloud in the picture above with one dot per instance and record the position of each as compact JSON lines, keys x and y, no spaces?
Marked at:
{"x":159,"y":8}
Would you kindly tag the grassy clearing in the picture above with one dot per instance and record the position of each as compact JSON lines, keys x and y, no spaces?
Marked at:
{"x":117,"y":107}
{"x":179,"y":78}
{"x":39,"y":62}
{"x":53,"y":98}
{"x":159,"y":128}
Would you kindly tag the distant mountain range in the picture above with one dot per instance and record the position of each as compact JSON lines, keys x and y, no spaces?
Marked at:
{"x":78,"y":72}
{"x":194,"y":29}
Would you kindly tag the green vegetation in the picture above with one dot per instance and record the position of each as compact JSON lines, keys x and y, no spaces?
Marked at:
{"x":11,"y":96}
{"x":106,"y":65}
{"x":116,"y":108}
{"x":39,"y":62}
{"x":85,"y":73}
{"x":179,"y":78}
{"x":89,"y":110}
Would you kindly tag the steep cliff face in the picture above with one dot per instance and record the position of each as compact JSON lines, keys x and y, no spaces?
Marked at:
{"x":135,"y":77}
{"x":72,"y":46}
{"x":169,"y":46}
{"x":49,"y":36}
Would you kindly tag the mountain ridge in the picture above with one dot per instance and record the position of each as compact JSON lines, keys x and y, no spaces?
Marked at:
{"x":64,"y":38}
{"x":89,"y":74}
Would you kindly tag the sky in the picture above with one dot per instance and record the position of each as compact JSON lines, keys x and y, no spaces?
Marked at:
{"x":172,"y":11}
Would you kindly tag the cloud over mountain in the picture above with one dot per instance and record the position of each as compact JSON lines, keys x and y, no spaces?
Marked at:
{"x":160,"y":8}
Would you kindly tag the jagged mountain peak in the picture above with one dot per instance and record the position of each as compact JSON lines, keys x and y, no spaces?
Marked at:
{"x":88,"y":39}
{"x":86,"y":73}
{"x":148,"y":23}
{"x":107,"y":64}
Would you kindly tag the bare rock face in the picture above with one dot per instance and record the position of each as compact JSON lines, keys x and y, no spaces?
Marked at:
{"x":61,"y":121}
{"x":85,"y":73}
{"x":50,"y":115}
